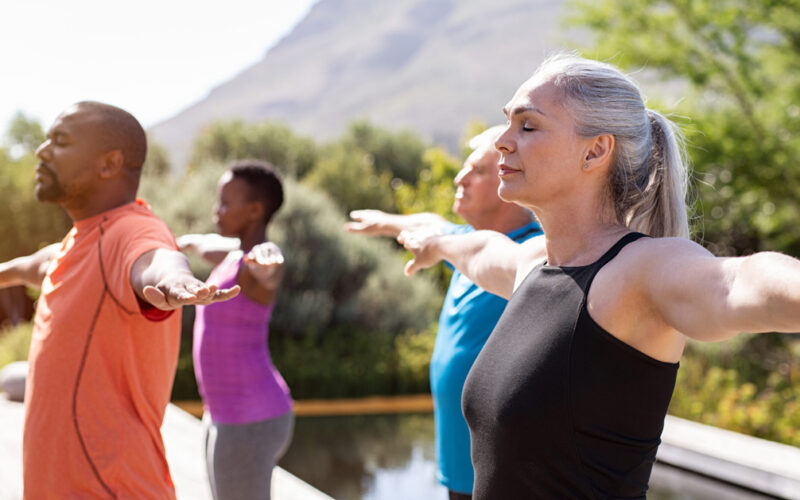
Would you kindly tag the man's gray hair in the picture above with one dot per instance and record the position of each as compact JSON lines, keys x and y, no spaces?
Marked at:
{"x":486,"y":138}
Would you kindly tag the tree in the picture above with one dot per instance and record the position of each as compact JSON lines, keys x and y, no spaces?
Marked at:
{"x":350,"y":177}
{"x":434,"y":191}
{"x":398,"y":153}
{"x":157,"y":163}
{"x":740,"y":65}
{"x":273,"y":142}
{"x":25,"y":132}
{"x":26,"y":224}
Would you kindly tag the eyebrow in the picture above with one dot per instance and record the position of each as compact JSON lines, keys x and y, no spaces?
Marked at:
{"x":518,"y":110}
{"x":54,"y":134}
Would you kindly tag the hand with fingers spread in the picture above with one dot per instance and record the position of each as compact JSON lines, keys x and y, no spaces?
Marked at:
{"x":163,"y":278}
{"x":175,"y":292}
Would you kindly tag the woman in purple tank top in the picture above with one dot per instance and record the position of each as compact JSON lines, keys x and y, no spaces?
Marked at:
{"x":248,"y":409}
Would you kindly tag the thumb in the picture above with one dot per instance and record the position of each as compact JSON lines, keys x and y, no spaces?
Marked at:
{"x":155,"y":297}
{"x":411,"y":267}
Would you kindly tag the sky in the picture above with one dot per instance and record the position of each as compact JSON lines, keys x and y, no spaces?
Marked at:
{"x":150,"y":57}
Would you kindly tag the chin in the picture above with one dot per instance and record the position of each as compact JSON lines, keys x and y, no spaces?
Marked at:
{"x":47,"y":195}
{"x":508,"y":194}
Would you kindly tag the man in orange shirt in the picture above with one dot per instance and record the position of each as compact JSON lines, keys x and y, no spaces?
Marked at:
{"x":106,"y":336}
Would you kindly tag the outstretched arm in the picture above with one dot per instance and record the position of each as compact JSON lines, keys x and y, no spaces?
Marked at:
{"x":711,"y":298}
{"x":211,"y":247}
{"x":379,"y":223}
{"x":490,"y":259}
{"x":28,"y":270}
{"x":162,"y":277}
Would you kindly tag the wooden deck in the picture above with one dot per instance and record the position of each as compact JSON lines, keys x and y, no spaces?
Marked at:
{"x":183,"y":438}
{"x":756,"y":464}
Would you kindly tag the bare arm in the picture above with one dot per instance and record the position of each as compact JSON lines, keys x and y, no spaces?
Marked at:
{"x":711,"y":298}
{"x":261,"y":276}
{"x":490,"y":259}
{"x":379,"y":223}
{"x":211,"y":247}
{"x":28,"y":270}
{"x":162,"y":277}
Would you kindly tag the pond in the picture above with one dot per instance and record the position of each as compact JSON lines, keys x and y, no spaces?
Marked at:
{"x":387,"y":457}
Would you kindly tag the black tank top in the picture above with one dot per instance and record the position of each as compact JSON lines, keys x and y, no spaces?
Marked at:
{"x":557,"y":407}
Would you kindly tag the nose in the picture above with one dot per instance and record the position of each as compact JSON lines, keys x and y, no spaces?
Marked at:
{"x":43,"y":150}
{"x":462,"y":176}
{"x":503,"y":143}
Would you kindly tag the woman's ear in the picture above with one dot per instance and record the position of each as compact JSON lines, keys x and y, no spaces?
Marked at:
{"x":599,"y":153}
{"x":256,"y":210}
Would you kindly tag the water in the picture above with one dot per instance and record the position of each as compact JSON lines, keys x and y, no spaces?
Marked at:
{"x":388,"y":457}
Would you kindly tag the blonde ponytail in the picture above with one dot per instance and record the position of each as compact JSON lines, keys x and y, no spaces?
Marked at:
{"x":661,"y":207}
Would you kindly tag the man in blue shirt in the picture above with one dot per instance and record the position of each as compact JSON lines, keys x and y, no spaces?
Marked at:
{"x":469,"y":313}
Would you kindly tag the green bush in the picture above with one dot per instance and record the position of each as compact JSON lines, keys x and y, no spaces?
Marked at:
{"x":341,"y":364}
{"x":352,"y":363}
{"x":749,"y":385}
{"x":351,"y":178}
{"x":397,"y":153}
{"x":14,"y":343}
{"x":26,"y":225}
{"x":273,"y":142}
{"x":185,"y":386}
{"x":337,"y":280}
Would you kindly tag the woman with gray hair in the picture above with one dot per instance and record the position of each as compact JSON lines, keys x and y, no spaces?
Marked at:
{"x":567,"y":398}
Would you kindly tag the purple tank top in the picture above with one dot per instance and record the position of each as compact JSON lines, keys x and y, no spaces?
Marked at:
{"x":234,"y":370}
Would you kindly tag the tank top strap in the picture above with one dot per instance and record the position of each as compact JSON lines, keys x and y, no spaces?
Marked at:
{"x":610,"y":254}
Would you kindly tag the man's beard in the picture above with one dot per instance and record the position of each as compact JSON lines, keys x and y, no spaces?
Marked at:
{"x":49,"y":192}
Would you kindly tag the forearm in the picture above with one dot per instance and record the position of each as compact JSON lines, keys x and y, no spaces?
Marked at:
{"x":488,"y":258}
{"x":28,"y":270}
{"x":485,"y":258}
{"x":379,"y":223}
{"x":211,"y":247}
{"x":421,"y":220}
{"x":261,"y":288}
{"x":162,"y":277}
{"x":157,"y":266}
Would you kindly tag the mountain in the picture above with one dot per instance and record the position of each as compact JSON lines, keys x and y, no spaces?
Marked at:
{"x":426,"y":65}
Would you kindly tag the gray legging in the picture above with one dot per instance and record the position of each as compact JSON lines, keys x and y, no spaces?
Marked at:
{"x":240,"y":457}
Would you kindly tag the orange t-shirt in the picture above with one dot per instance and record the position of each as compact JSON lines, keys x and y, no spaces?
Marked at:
{"x":100,"y":372}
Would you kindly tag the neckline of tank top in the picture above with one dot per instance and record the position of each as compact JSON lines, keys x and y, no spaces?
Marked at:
{"x":546,"y":267}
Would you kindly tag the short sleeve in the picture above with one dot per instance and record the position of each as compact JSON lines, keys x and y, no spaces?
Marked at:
{"x":123,"y":241}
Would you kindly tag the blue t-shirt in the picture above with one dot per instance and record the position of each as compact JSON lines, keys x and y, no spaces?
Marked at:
{"x":468,"y":317}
